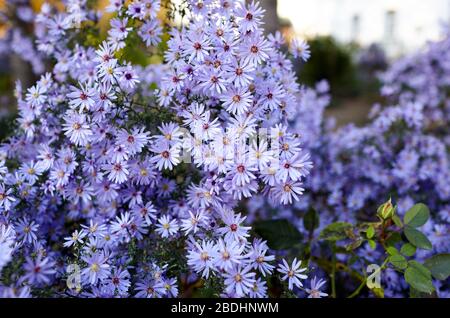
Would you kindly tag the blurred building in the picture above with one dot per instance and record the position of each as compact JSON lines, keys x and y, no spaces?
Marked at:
{"x":399,"y":26}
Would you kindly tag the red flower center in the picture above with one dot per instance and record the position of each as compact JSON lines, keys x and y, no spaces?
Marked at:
{"x":165,"y":154}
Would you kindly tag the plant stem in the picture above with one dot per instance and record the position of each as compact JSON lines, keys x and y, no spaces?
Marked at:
{"x":333,"y":273}
{"x":358,"y":290}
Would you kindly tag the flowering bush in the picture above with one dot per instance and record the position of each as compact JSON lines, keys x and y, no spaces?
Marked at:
{"x":163,"y":158}
{"x":402,"y":153}
{"x":17,"y":19}
{"x":97,"y":188}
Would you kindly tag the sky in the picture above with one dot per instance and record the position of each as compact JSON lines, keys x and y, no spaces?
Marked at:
{"x":416,"y":21}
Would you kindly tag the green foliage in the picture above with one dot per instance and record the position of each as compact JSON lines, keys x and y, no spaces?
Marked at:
{"x":399,"y":240}
{"x":439,"y":265}
{"x":398,"y":261}
{"x":7,"y":126}
{"x":417,"y":238}
{"x":370,"y":232}
{"x":336,"y":231}
{"x":333,"y":62}
{"x":280,"y":234}
{"x":311,"y":220}
{"x":419,"y":277}
{"x":408,"y":249}
{"x":392,"y":250}
{"x":417,"y":216}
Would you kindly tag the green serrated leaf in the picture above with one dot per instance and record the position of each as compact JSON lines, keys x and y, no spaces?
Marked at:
{"x":419,"y":277}
{"x":417,"y":238}
{"x":439,"y":266}
{"x":408,"y":249}
{"x":280,"y":234}
{"x":398,"y":261}
{"x":370,"y":232}
{"x":417,"y":216}
{"x":335,"y":231}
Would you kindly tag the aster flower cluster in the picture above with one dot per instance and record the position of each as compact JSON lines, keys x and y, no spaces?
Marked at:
{"x":229,"y":84}
{"x":424,"y":78}
{"x":402,"y":153}
{"x":18,"y":19}
{"x":97,"y":188}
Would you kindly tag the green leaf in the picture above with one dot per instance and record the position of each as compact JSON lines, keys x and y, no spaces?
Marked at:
{"x":335,"y":231}
{"x":417,"y":216}
{"x":419,"y":277}
{"x":311,"y":220}
{"x":393,"y":239}
{"x":352,"y":260}
{"x":398,"y":261}
{"x":439,"y":265}
{"x":397,"y":221}
{"x":354,"y":245}
{"x":414,"y":293}
{"x":417,"y":238}
{"x":408,"y":249}
{"x":372,"y":244}
{"x":280,"y":234}
{"x":370,"y":232}
{"x":392,"y":250}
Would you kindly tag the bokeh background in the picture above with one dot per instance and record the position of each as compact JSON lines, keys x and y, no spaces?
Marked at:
{"x":351,"y":42}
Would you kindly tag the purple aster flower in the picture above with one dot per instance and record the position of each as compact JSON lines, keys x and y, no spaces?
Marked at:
{"x":300,"y":49}
{"x":77,"y":237}
{"x":229,"y":254}
{"x":151,"y":32}
{"x":201,"y":257}
{"x":239,"y":280}
{"x":166,"y":226}
{"x":259,"y":289}
{"x":194,"y":222}
{"x":119,"y":280}
{"x":97,"y":269}
{"x":293,"y":274}
{"x":314,"y":291}
{"x":77,"y":129}
{"x":234,"y":229}
{"x":38,"y":271}
{"x":82,"y":98}
{"x":26,"y":230}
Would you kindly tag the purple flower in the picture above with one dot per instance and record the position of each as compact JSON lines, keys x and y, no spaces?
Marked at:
{"x":239,"y":280}
{"x":26,"y":230}
{"x":314,"y":291}
{"x":97,"y":268}
{"x":38,"y":271}
{"x":166,"y":226}
{"x":77,"y":129}
{"x":293,"y":274}
{"x":202,"y":258}
{"x":82,"y":98}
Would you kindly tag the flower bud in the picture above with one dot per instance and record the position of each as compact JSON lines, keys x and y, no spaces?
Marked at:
{"x":386,"y":210}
